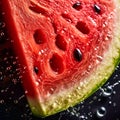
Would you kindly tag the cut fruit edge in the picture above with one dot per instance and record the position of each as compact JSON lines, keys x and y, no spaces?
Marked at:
{"x":82,"y":90}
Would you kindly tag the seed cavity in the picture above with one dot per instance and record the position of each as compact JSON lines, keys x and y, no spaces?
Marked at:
{"x":97,"y":8}
{"x":39,"y":36}
{"x":38,"y":9}
{"x":82,"y":27}
{"x":66,"y":17}
{"x":56,"y":63}
{"x":77,"y":6}
{"x":77,"y":54}
{"x":54,"y":27}
{"x":60,"y":42}
{"x":36,"y":70}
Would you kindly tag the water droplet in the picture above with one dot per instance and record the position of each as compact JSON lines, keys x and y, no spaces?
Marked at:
{"x":16,"y":101}
{"x":1,"y":101}
{"x":114,"y":92}
{"x":54,"y":104}
{"x":110,"y":102}
{"x":51,"y":91}
{"x":82,"y":117}
{"x":14,"y":62}
{"x":114,"y":104}
{"x":14,"y":81}
{"x":107,"y":91}
{"x":26,"y":92}
{"x":1,"y":78}
{"x":2,"y":24}
{"x":8,"y":68}
{"x":21,"y":97}
{"x":98,"y":59}
{"x":115,"y":77}
{"x":37,"y":83}
{"x":2,"y":91}
{"x":101,"y":112}
{"x":115,"y":84}
{"x":12,"y":92}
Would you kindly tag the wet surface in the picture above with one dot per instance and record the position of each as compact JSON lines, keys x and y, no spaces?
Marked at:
{"x":103,"y":105}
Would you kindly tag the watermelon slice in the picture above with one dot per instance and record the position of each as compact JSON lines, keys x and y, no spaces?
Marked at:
{"x":68,"y":48}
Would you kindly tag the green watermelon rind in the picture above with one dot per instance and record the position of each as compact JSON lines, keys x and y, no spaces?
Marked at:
{"x":81,"y":91}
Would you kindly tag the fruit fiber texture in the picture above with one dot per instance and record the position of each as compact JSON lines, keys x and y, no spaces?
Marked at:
{"x":67,"y":48}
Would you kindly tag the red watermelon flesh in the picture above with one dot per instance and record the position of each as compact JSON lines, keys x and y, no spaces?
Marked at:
{"x":67,"y":48}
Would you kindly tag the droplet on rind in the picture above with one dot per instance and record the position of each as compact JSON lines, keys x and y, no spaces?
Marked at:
{"x":1,"y":78}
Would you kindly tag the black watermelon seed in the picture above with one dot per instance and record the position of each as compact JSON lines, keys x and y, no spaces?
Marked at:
{"x":36,"y":69}
{"x":77,"y":6}
{"x":77,"y":55}
{"x":97,"y":8}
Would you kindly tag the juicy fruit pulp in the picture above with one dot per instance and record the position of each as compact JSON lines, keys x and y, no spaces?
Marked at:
{"x":68,"y":48}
